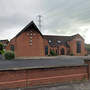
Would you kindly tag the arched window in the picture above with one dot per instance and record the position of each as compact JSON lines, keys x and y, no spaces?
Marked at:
{"x":12,"y":47}
{"x":78,"y":44}
{"x":62,"y":51}
{"x":46,"y":50}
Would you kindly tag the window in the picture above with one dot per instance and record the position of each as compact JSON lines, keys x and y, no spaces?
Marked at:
{"x":78,"y":47}
{"x":49,"y":41}
{"x":62,"y":51}
{"x":30,"y":41}
{"x":34,"y":34}
{"x":58,"y":41}
{"x":30,"y":37}
{"x":46,"y":50}
{"x":56,"y":51}
{"x":31,"y":34}
{"x":27,"y":34}
{"x":30,"y":44}
{"x":12,"y":47}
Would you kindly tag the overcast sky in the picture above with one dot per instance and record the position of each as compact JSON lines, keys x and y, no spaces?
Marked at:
{"x":59,"y":17}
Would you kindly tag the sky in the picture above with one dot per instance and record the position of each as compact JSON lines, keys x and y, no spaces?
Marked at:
{"x":59,"y":17}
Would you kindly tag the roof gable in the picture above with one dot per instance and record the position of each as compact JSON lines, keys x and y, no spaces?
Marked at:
{"x":77,"y":36}
{"x":31,"y":25}
{"x":62,"y":39}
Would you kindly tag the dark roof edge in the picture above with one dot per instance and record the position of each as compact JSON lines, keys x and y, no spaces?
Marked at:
{"x":28,"y":25}
{"x":4,"y":40}
{"x":76,"y":35}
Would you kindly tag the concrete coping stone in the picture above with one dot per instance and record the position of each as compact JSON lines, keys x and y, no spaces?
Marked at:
{"x":41,"y":67}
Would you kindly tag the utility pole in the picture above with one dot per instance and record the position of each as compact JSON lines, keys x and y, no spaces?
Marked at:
{"x":39,"y":22}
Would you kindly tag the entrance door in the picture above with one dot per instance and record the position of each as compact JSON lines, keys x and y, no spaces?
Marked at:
{"x":46,"y":50}
{"x":62,"y":51}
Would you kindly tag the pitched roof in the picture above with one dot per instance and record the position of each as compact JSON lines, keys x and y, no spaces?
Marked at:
{"x":30,"y":26}
{"x":4,"y":41}
{"x":76,"y":35}
{"x":62,"y":39}
{"x":54,"y":38}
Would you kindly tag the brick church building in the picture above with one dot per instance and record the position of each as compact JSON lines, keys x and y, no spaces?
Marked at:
{"x":31,"y":42}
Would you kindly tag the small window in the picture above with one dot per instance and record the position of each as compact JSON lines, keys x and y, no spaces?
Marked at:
{"x":58,"y":41}
{"x":30,"y":37}
{"x":30,"y":44}
{"x":31,"y":34}
{"x":34,"y":34}
{"x":12,"y":47}
{"x":49,"y":41}
{"x":30,"y":40}
{"x":27,"y":34}
{"x":46,"y":50}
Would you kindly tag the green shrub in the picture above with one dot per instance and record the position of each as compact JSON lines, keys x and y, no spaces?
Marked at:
{"x":9,"y":55}
{"x":86,"y":54}
{"x":1,"y":49}
{"x":72,"y":54}
{"x":52,"y":53}
{"x":49,"y":55}
{"x":1,"y":46}
{"x":2,"y":52}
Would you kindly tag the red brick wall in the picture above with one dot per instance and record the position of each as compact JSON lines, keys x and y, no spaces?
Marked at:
{"x":23,"y":47}
{"x":46,"y":76}
{"x":12,"y":42}
{"x":65,"y":49}
{"x":73,"y":47}
{"x":34,"y":77}
{"x":88,"y":62}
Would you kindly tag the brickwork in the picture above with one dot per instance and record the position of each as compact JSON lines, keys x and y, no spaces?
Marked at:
{"x":31,"y":42}
{"x":34,"y":77}
{"x":73,"y":48}
{"x":88,"y":62}
{"x":28,"y":44}
{"x":65,"y":50}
